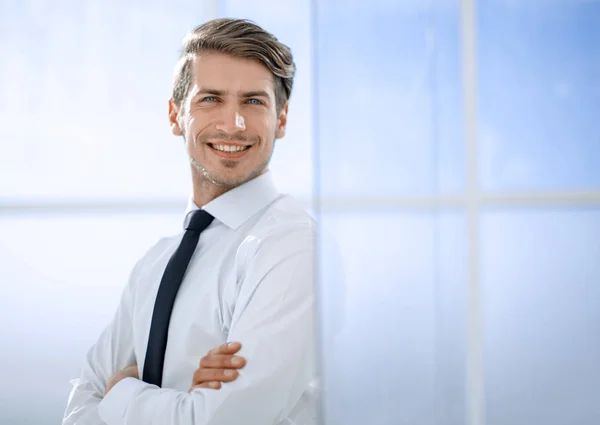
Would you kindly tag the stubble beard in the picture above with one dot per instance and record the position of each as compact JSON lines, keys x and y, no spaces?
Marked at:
{"x":228,"y":183}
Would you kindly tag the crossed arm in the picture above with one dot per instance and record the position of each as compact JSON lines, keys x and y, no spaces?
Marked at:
{"x":274,"y":321}
{"x":218,"y":366}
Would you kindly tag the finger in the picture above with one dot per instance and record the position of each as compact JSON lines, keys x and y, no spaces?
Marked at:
{"x":211,"y":375}
{"x":222,"y":361}
{"x":227,"y":348}
{"x":212,"y":385}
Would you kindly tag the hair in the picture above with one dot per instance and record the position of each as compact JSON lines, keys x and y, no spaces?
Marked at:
{"x":241,"y":38}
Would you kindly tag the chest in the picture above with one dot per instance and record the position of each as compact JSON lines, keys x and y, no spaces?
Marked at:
{"x":201,"y":315}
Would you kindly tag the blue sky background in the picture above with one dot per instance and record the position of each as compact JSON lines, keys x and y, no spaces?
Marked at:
{"x":83,"y":100}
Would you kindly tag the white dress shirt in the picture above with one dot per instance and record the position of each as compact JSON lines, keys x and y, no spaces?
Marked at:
{"x":249,"y":280}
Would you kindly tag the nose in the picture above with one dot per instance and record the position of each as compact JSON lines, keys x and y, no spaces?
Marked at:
{"x":231,"y":121}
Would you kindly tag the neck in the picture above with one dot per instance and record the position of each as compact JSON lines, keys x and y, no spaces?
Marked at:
{"x":205,"y":190}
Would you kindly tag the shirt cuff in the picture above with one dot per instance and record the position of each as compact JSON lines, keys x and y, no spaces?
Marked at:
{"x":113,"y":406}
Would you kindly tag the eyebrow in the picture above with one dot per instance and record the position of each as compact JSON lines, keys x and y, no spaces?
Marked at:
{"x":246,"y":94}
{"x":255,"y":93}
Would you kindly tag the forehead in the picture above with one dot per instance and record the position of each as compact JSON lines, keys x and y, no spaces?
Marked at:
{"x":225,"y":72}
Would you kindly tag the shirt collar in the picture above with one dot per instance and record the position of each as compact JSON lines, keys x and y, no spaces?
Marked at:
{"x":236,"y":206}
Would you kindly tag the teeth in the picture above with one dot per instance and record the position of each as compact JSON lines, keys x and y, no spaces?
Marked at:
{"x":229,"y":148}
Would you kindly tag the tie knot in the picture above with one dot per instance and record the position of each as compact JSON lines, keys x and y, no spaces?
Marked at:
{"x":199,"y":221}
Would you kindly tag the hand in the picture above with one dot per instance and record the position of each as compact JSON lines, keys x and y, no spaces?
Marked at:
{"x":128,"y":372}
{"x":219,"y":365}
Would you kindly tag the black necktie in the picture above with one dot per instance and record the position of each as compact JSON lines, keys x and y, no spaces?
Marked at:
{"x":165,"y":298}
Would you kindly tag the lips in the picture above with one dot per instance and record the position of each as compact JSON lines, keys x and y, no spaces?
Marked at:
{"x":229,"y":151}
{"x":228,"y":148}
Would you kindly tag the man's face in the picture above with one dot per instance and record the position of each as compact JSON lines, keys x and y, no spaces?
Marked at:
{"x":229,"y":118}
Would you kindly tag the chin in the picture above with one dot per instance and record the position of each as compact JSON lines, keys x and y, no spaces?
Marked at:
{"x":228,"y":180}
{"x":228,"y":177}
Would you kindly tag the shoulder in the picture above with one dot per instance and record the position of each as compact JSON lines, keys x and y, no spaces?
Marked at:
{"x":286,"y":221}
{"x":287,"y":212}
{"x":281,"y":230}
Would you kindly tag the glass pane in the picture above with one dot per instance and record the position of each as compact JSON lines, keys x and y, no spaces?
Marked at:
{"x":289,"y":21}
{"x":58,"y":292}
{"x":84,"y":98}
{"x":397,"y":356}
{"x":540,"y":274}
{"x":539,"y":94}
{"x":389,"y":98}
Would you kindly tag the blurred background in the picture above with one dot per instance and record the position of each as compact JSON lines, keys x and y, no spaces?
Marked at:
{"x":452,"y":150}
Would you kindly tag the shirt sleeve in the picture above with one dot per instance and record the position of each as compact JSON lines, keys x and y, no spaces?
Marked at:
{"x":112,"y":352}
{"x":273,"y":319}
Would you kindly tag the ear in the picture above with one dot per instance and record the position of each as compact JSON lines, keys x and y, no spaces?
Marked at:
{"x":282,"y":121}
{"x":174,"y":118}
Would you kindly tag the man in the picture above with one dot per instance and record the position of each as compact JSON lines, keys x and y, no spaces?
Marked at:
{"x":240,"y":273}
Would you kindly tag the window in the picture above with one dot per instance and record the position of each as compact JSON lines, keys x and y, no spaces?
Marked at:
{"x":449,"y":150}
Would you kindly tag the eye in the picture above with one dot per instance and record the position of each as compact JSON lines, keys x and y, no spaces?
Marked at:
{"x":208,"y":99}
{"x":255,"y":102}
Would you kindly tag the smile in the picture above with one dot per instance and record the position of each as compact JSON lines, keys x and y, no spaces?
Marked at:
{"x":228,"y":148}
{"x":229,"y":151}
